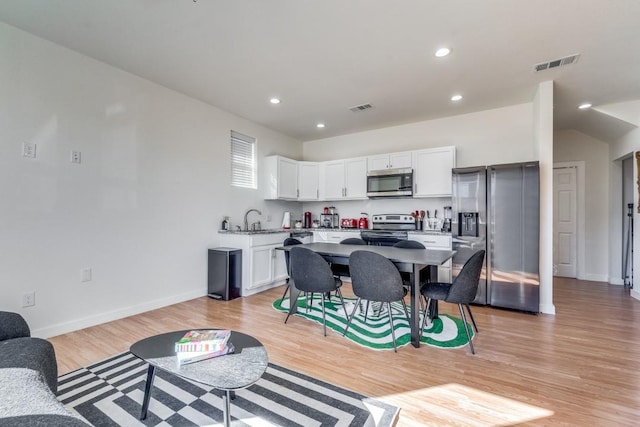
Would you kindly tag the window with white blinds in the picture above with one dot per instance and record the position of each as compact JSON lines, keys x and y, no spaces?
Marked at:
{"x":243,"y":160}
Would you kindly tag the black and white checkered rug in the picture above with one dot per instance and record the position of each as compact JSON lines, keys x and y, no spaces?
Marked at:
{"x":109,"y":393}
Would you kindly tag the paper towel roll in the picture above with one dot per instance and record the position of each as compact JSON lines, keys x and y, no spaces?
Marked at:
{"x":286,"y":220}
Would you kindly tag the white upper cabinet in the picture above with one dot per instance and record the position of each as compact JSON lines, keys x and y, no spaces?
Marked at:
{"x":389,"y":161}
{"x":343,"y":179}
{"x":308,"y":176}
{"x":332,"y":180}
{"x":432,"y":171}
{"x":280,"y":178}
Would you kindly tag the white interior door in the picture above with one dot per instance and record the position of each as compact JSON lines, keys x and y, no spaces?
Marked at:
{"x":564,"y":221}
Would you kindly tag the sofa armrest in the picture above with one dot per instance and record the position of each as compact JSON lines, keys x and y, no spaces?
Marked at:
{"x":12,"y":325}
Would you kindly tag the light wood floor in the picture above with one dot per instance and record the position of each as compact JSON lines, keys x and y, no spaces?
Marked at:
{"x":580,"y":367}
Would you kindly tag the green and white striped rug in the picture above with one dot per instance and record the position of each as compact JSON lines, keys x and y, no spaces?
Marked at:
{"x":375,"y":333}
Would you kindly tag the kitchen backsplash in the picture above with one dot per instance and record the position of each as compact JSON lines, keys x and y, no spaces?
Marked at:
{"x":353,"y":208}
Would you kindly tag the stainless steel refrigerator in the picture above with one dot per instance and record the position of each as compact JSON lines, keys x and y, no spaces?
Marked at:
{"x":497,"y":208}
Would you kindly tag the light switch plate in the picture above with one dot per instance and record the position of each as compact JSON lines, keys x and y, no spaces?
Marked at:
{"x":76,"y":156}
{"x":85,"y":275}
{"x":29,"y":150}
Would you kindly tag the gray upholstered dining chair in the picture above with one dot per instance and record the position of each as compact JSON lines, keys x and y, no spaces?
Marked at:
{"x":375,"y":278}
{"x":462,"y":291}
{"x":288,"y":242}
{"x":406,"y":277}
{"x":340,"y":270}
{"x":311,"y":274}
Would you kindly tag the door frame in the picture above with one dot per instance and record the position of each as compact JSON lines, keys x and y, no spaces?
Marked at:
{"x":580,"y":214}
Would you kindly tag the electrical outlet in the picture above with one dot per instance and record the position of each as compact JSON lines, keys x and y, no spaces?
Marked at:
{"x":29,"y":299}
{"x":76,"y":156}
{"x":29,"y":150}
{"x":85,"y":275}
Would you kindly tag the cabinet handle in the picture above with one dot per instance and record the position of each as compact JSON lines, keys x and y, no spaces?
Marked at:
{"x":317,"y":193}
{"x":415,"y":187}
{"x":298,"y":192}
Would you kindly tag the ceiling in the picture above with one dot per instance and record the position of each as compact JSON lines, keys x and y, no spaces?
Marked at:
{"x":321,"y":57}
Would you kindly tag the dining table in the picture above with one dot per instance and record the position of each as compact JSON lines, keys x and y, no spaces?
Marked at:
{"x":411,"y":261}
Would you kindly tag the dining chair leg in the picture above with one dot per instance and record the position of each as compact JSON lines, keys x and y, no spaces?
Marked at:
{"x":379,"y":310}
{"x":406,"y":312}
{"x":287,"y":318}
{"x":349,"y":318}
{"x":366,"y":310}
{"x":424,"y":322}
{"x":285,"y":291}
{"x":466,"y":327}
{"x":393,"y":332}
{"x":339,"y":292}
{"x":309,"y":301}
{"x":472,"y":319}
{"x":324,"y":321}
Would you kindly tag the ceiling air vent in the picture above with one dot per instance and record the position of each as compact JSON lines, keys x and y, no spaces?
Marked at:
{"x":567,"y":60}
{"x":361,"y":107}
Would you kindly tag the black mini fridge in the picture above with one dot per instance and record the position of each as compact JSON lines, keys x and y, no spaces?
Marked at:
{"x":225,"y":273}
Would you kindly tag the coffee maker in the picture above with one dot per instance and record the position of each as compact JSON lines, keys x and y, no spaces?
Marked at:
{"x":329,"y":218}
{"x":308,"y":220}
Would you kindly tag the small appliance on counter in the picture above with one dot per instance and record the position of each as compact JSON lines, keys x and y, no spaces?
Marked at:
{"x":363,"y":222}
{"x":329,"y":218}
{"x":286,"y":220}
{"x":308,"y":220}
{"x":349,"y":223}
{"x":446,"y":224}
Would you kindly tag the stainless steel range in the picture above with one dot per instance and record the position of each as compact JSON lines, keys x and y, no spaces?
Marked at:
{"x":388,"y":229}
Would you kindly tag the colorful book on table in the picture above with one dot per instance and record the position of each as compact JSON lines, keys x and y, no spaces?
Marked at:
{"x":197,"y":356}
{"x":203,"y":341}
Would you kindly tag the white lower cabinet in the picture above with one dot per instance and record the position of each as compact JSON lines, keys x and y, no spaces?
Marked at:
{"x":263,"y":267}
{"x":442,"y":242}
{"x":333,"y":236}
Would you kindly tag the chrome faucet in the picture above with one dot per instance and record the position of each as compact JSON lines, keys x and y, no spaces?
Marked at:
{"x":246,"y":223}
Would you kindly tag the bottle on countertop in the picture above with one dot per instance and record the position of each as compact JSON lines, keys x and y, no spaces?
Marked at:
{"x":225,"y":224}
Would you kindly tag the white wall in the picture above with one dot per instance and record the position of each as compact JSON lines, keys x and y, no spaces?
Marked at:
{"x":571,"y":145}
{"x":140,"y":210}
{"x":502,"y":135}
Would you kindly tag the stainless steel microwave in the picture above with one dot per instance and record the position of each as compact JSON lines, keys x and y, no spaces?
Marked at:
{"x":390,"y":183}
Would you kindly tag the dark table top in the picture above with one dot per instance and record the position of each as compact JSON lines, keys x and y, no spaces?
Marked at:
{"x":229,"y":372}
{"x":398,"y":255}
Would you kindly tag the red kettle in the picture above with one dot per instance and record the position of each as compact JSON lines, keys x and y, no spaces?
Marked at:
{"x":364,"y":221}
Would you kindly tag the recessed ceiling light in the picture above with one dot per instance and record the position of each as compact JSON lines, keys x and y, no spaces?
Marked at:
{"x":320,"y":125}
{"x":274,"y":101}
{"x":443,"y":51}
{"x":584,"y":106}
{"x":456,"y":97}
